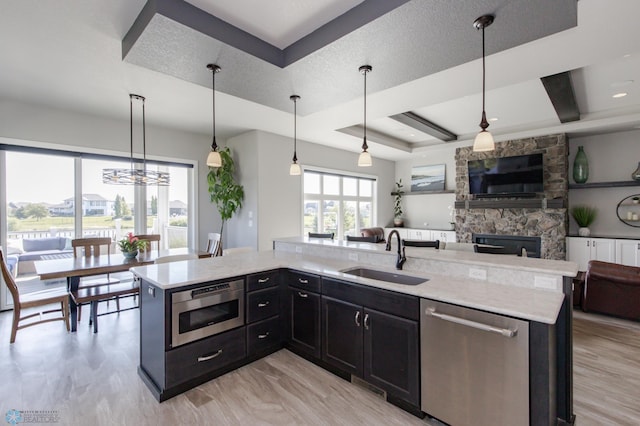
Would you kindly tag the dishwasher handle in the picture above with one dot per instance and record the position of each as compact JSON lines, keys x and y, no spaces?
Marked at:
{"x":503,"y":331}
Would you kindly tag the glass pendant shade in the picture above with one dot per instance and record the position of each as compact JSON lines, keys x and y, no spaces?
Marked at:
{"x":484,"y":142}
{"x":214,"y":159}
{"x":364,"y":160}
{"x":295,"y":169}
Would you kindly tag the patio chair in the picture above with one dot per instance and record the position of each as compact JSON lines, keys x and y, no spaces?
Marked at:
{"x":213,"y":245}
{"x":32,"y":300}
{"x":153,"y":241}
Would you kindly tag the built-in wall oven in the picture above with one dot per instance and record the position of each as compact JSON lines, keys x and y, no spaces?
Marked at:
{"x":205,"y":311}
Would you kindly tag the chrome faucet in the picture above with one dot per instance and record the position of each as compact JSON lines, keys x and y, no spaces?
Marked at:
{"x":401,"y":257}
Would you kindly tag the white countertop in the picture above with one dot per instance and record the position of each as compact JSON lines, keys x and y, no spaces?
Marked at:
{"x":530,"y":264}
{"x":531,"y":304}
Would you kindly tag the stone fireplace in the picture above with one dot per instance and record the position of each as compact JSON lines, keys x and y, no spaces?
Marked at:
{"x":544,"y":217}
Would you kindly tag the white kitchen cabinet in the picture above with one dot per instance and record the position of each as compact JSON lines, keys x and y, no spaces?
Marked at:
{"x":419,"y":234}
{"x":582,"y":250}
{"x":402,"y":231}
{"x":628,"y":252}
{"x":444,"y":236}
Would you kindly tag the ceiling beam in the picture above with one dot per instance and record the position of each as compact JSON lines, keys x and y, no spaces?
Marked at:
{"x":425,"y":126}
{"x":560,"y":91}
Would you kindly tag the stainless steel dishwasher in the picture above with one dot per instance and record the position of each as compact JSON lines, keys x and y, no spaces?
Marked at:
{"x":475,"y":366}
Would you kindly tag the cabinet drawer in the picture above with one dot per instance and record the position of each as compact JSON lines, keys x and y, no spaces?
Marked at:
{"x":387,"y":301}
{"x":262,"y":280}
{"x":195,"y":359}
{"x":305,"y":281}
{"x":263,"y":335}
{"x":263,"y":304}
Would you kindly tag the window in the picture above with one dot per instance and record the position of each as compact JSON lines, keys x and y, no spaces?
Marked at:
{"x":337,"y":203}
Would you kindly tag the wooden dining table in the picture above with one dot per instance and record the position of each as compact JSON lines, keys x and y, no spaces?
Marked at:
{"x":74,"y":268}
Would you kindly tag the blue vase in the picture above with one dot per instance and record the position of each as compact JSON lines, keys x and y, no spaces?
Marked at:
{"x":580,"y":167}
{"x":130,"y":254}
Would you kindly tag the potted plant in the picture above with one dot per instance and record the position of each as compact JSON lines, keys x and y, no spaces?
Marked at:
{"x":397,"y":205}
{"x":130,"y":245}
{"x":224,"y":191}
{"x":584,"y":217}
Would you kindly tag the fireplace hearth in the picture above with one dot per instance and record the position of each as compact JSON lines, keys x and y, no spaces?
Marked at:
{"x":512,"y":242}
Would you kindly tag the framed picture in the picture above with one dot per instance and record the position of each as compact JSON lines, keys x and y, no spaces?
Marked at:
{"x":427,"y":178}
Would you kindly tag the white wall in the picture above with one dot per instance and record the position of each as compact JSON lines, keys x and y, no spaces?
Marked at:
{"x":41,"y":126}
{"x":612,"y":157}
{"x":428,"y":210}
{"x":279,"y":195}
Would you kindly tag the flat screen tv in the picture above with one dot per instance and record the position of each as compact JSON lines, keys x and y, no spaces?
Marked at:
{"x":517,"y":176}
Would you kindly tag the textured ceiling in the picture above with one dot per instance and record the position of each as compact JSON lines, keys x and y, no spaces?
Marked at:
{"x":416,"y":39}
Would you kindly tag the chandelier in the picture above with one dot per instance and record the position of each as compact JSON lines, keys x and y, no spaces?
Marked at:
{"x":132,"y":175}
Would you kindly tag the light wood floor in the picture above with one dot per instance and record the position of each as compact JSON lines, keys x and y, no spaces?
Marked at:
{"x":92,"y":379}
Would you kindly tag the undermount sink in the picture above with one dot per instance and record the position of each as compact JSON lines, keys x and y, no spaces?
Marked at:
{"x":385,"y":276}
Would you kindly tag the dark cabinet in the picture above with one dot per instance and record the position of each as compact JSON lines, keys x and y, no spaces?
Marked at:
{"x":263,"y":307}
{"x":382,"y":348}
{"x":195,"y":359}
{"x":304,"y":321}
{"x":392,"y":354}
{"x":342,"y":335}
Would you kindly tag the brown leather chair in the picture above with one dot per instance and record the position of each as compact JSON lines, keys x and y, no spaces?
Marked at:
{"x":153,"y":241}
{"x":613,"y":289}
{"x":375,"y":232}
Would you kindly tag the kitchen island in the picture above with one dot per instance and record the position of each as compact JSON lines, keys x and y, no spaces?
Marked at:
{"x":298,"y":293}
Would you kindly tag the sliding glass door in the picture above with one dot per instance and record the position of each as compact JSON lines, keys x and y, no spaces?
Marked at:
{"x":50,"y":197}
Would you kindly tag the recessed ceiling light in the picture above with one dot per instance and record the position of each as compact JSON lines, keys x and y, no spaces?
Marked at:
{"x":493,"y":119}
{"x":619,"y":95}
{"x":628,"y":55}
{"x":622,"y":83}
{"x":411,"y":134}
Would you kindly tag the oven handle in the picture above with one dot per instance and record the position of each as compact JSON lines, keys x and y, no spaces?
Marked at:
{"x":208,"y":357}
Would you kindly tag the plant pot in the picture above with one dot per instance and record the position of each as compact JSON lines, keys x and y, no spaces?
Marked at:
{"x":584,"y":231}
{"x":398,"y":222}
{"x":130,"y":254}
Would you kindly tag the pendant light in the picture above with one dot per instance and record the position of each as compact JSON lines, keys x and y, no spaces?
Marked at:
{"x":295,"y":170}
{"x":484,"y":139}
{"x":214,"y":159}
{"x":133,"y":176}
{"x":364,"y":160}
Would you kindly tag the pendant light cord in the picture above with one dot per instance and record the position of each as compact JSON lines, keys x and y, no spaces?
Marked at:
{"x":364,"y":142}
{"x":144,"y":139}
{"x":295,"y":129}
{"x":131,"y":131}
{"x":214,"y":146}
{"x":483,"y":123}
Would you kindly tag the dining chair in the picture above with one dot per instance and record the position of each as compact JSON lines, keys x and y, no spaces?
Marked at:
{"x":32,"y":300}
{"x":213,"y":245}
{"x":321,"y":235}
{"x":421,"y":243}
{"x":153,"y":241}
{"x":371,"y":239}
{"x":175,"y":258}
{"x":93,"y":247}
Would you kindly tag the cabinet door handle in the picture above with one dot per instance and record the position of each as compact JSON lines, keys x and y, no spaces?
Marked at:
{"x":357,"y":318}
{"x":262,"y":305}
{"x":305,"y":295}
{"x":301,"y":281}
{"x":638,"y":246}
{"x":208,"y":357}
{"x":263,"y":336}
{"x":588,"y":244}
{"x":594,"y":244}
{"x":263,"y":280}
{"x":366,"y":321}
